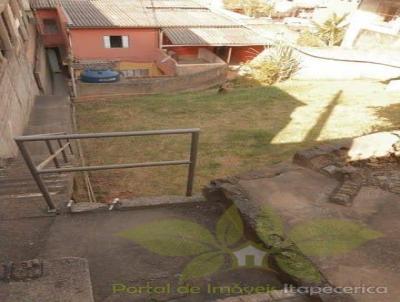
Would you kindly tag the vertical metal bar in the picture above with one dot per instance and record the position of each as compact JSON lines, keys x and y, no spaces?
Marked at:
{"x":70,"y":147}
{"x":36,"y":176}
{"x":51,"y":150}
{"x":63,"y":151}
{"x":193,"y":162}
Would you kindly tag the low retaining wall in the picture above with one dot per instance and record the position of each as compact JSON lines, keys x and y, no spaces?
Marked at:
{"x":164,"y":84}
{"x":213,"y":62}
{"x":42,"y":70}
{"x":369,"y":40}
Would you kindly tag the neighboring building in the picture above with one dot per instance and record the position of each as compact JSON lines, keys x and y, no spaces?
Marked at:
{"x":340,"y":7}
{"x":375,"y":17}
{"x":136,"y":35}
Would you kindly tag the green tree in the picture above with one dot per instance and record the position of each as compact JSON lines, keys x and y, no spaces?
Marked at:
{"x":332,"y":30}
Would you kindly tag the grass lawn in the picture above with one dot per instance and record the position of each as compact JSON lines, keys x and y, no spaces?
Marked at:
{"x":241,"y":130}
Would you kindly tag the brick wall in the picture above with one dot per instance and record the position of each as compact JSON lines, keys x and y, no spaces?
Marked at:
{"x":18,"y":90}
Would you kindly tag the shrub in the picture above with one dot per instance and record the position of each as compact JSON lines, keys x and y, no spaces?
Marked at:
{"x":332,"y":31}
{"x":309,"y":39}
{"x":279,"y":64}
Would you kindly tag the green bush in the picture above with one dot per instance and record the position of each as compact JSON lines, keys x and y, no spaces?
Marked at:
{"x":278,"y":65}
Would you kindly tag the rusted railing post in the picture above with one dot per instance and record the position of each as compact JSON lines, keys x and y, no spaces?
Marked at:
{"x":51,"y":150}
{"x":193,"y":161}
{"x":64,"y":154}
{"x":70,"y":147}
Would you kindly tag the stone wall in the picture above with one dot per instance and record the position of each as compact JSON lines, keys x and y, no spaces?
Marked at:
{"x":17,"y":93}
{"x":165,"y":84}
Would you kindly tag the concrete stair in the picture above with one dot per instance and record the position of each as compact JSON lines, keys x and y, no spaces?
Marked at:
{"x":19,"y":193}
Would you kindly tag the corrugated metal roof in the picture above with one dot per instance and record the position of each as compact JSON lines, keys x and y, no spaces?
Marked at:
{"x":133,"y":13}
{"x":234,"y":36}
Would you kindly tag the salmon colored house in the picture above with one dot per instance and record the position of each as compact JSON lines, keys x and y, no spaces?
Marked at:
{"x":142,"y":38}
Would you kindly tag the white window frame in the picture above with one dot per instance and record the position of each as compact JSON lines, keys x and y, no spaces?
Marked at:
{"x":107,"y":42}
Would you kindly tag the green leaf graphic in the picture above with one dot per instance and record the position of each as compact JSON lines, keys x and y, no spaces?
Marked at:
{"x":269,"y":224}
{"x":173,"y":237}
{"x":230,"y":227}
{"x":298,"y":266}
{"x":330,"y":237}
{"x":203,"y":265}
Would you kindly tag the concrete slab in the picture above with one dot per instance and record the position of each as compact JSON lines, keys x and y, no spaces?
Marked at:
{"x":23,"y":239}
{"x":274,"y":296}
{"x":116,"y":260}
{"x":63,"y":280}
{"x":300,"y":196}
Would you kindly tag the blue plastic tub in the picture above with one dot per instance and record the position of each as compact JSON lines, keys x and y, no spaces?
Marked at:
{"x":100,"y":76}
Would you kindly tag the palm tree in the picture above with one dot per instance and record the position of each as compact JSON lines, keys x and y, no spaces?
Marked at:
{"x":332,"y":30}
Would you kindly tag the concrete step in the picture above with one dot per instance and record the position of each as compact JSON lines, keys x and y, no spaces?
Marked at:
{"x":8,"y":191}
{"x":136,"y":203}
{"x":27,"y":178}
{"x":17,"y":184}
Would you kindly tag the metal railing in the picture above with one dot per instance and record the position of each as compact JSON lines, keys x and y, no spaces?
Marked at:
{"x":64,"y":143}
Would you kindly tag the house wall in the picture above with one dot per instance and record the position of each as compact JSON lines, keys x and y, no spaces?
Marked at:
{"x":88,"y":44}
{"x":245,"y":53}
{"x":56,"y":39}
{"x":373,"y":16}
{"x":369,"y":5}
{"x":240,"y":54}
{"x":188,"y":50}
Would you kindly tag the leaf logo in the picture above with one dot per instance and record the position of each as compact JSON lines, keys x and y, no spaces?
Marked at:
{"x":176,"y":237}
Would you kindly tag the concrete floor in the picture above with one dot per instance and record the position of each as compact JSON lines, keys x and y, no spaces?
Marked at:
{"x":299,"y":196}
{"x":117,"y":260}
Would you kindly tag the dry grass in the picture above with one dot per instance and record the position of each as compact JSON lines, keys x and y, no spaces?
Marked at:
{"x":241,"y":130}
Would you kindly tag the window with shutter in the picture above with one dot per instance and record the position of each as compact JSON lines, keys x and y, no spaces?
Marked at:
{"x":50,"y":26}
{"x":125,"y":42}
{"x":107,"y":43}
{"x":116,"y":41}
